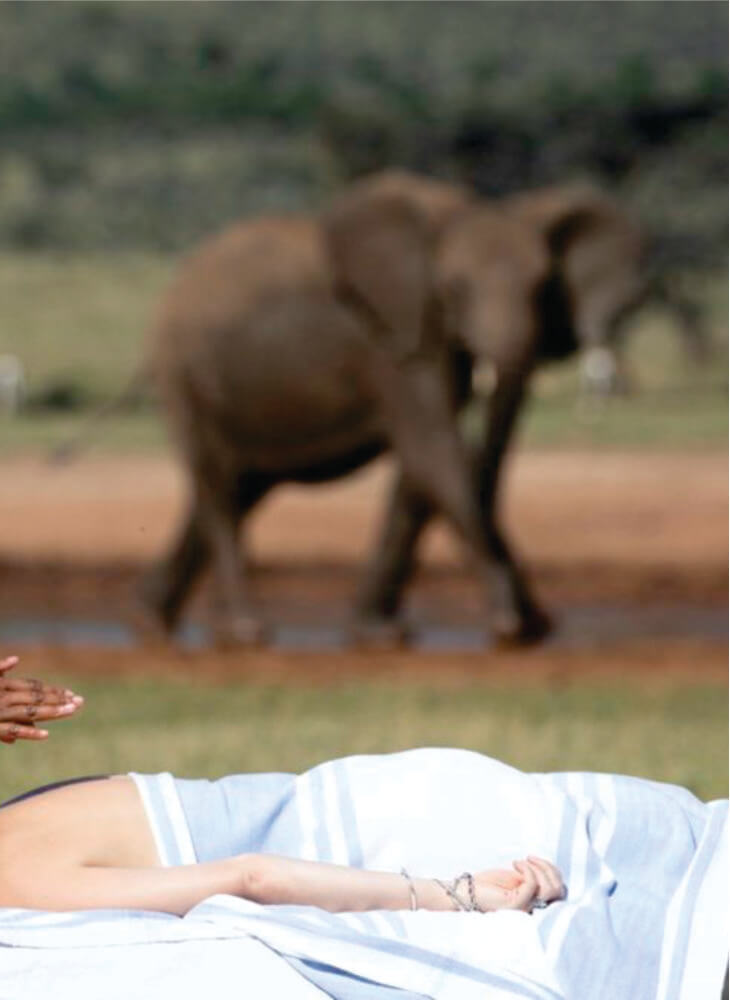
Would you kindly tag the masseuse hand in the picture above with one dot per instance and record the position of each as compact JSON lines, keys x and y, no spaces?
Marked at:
{"x":23,"y":703}
{"x":534,"y":882}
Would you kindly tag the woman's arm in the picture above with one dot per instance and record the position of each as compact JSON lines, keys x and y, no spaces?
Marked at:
{"x":264,"y":879}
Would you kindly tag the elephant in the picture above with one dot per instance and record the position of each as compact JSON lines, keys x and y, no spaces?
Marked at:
{"x":298,"y":348}
{"x":591,"y":277}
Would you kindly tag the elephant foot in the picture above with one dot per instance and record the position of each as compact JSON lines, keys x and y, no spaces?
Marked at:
{"x":155,"y":613}
{"x":243,"y":631}
{"x":148,"y":630}
{"x":510,"y":628}
{"x":147,"y":620}
{"x":378,"y":633}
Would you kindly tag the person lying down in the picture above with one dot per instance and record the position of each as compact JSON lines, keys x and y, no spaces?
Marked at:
{"x":95,"y":842}
{"x":438,"y":871}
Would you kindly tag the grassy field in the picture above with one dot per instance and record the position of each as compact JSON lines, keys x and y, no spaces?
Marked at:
{"x":78,"y":324}
{"x":671,"y":729}
{"x":79,"y":320}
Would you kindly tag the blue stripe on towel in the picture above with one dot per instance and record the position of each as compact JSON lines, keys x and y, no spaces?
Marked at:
{"x":653,"y":842}
{"x":237,"y":814}
{"x":349,"y":818}
{"x":367,"y":923}
{"x":319,"y":810}
{"x":344,"y":986}
{"x":699,"y":868}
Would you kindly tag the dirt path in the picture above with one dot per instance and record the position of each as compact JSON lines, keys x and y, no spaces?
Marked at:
{"x":620,"y":535}
{"x":628,"y":509}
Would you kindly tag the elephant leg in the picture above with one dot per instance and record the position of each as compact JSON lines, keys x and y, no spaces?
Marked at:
{"x":234,"y":622}
{"x":516,"y":616}
{"x":165,"y":588}
{"x":392,"y":566}
{"x":437,"y":466}
{"x":209,"y":535}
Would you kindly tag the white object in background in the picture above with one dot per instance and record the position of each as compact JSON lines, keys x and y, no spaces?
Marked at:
{"x":599,"y":371}
{"x":12,"y":383}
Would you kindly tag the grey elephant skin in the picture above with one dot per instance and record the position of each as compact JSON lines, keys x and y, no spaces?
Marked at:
{"x":299,"y":348}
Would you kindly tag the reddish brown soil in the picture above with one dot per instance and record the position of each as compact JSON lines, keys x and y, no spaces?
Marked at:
{"x":634,"y":531}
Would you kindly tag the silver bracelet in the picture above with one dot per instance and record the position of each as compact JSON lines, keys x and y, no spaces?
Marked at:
{"x":411,"y":889}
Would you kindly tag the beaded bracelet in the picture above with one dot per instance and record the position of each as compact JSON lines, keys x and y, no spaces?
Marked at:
{"x":451,"y":889}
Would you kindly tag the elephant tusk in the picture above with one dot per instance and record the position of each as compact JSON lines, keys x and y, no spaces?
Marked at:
{"x":484,"y":378}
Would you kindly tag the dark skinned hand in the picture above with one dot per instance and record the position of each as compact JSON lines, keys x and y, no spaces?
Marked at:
{"x":25,"y":702}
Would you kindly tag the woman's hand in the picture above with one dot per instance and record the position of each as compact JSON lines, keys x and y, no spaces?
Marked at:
{"x":534,"y":882}
{"x":25,"y":702}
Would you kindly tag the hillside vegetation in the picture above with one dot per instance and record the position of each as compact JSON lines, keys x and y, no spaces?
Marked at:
{"x":148,"y":124}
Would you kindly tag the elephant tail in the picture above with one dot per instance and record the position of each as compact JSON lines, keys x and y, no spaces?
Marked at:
{"x":131,"y":392}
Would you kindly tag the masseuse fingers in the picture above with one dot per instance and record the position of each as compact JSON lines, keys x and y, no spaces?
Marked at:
{"x":8,"y":663}
{"x":35,"y":693}
{"x":12,"y":731}
{"x":23,"y":690}
{"x":21,"y":713}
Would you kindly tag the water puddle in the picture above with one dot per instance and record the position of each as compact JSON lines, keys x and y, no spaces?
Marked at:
{"x":576,"y":626}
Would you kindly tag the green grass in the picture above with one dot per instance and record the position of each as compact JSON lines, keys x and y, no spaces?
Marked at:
{"x":687,"y":419}
{"x":39,"y":434}
{"x":669,"y":729}
{"x":79,"y":318}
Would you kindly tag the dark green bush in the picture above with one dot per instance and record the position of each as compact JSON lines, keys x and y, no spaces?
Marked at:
{"x":62,"y":395}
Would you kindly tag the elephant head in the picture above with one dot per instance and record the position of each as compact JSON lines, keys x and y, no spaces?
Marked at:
{"x":531,"y":278}
{"x":490,"y":275}
{"x":426,"y":260}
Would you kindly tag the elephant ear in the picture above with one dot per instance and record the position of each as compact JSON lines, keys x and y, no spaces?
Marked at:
{"x":574,"y":225}
{"x":380,"y":253}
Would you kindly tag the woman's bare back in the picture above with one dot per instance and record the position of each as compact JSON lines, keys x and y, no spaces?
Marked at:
{"x":95,"y":823}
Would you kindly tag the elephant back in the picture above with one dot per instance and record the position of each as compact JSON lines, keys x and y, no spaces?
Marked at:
{"x":224,"y":280}
{"x":437,"y":203}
